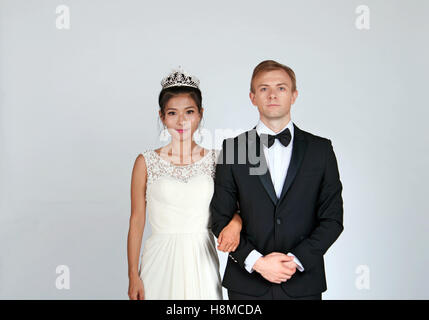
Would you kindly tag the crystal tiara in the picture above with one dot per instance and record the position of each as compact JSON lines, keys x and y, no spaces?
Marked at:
{"x":178,"y":78}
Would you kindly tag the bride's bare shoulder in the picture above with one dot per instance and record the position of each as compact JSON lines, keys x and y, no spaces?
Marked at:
{"x":140,"y":166}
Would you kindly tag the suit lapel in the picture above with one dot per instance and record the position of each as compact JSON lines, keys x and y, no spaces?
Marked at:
{"x":298,"y":151}
{"x":254,"y":144}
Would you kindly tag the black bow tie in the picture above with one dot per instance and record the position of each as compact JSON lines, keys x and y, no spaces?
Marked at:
{"x":284,"y":137}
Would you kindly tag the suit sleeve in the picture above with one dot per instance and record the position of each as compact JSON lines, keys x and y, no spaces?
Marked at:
{"x":310,"y":251}
{"x":225,"y":203}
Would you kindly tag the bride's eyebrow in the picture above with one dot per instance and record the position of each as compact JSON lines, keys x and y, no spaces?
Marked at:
{"x":174,"y":109}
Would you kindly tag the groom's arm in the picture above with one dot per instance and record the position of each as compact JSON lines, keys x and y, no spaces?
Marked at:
{"x":330,"y":215}
{"x":224,"y":204}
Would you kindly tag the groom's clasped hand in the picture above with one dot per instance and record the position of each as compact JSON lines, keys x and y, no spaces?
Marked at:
{"x":276,"y":267}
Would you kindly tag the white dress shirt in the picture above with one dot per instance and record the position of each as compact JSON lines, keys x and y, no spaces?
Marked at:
{"x":278,"y":159}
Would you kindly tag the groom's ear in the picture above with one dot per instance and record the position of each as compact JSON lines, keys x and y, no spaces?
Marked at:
{"x":252,"y":98}
{"x":294,"y":96}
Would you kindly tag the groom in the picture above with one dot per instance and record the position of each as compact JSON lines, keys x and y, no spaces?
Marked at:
{"x":286,"y":185}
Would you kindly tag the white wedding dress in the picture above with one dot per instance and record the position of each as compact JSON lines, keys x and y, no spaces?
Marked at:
{"x":179,"y":259}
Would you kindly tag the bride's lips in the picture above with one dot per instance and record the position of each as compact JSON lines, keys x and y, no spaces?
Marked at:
{"x":181,"y":130}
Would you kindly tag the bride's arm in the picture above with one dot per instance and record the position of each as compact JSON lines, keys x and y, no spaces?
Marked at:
{"x":137,"y":223}
{"x":229,"y":237}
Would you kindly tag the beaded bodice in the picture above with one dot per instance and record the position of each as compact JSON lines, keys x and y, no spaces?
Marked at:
{"x":158,"y":167}
{"x":178,"y":197}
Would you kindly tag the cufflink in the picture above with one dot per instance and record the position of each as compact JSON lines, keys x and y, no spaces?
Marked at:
{"x":233,"y":259}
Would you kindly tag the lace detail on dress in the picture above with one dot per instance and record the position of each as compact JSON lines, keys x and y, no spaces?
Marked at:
{"x":158,"y":167}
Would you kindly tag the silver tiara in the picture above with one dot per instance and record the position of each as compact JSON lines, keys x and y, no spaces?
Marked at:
{"x":178,"y":78}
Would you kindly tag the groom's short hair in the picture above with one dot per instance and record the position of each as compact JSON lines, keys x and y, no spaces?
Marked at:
{"x":270,"y":65}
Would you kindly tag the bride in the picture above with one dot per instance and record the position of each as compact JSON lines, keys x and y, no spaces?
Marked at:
{"x":174,"y":185}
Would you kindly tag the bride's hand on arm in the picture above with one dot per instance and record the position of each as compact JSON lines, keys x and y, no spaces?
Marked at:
{"x":229,"y":237}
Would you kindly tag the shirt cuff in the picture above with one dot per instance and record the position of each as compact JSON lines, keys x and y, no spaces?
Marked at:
{"x":295,"y":259}
{"x":251,"y":259}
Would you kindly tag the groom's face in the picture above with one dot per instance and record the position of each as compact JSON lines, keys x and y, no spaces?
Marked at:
{"x":273,"y":95}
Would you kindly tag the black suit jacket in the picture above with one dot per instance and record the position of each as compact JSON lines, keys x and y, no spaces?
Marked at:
{"x":306,"y":220}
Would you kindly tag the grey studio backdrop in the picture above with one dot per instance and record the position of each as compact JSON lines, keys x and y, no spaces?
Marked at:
{"x":78,"y":105}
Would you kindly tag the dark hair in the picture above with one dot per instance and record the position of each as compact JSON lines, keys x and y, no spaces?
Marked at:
{"x":270,"y":65}
{"x":166,"y":94}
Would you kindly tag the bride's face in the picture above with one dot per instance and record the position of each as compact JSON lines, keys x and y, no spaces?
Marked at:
{"x":181,"y":117}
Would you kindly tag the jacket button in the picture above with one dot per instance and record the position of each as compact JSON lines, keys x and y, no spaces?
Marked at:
{"x":279,"y":221}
